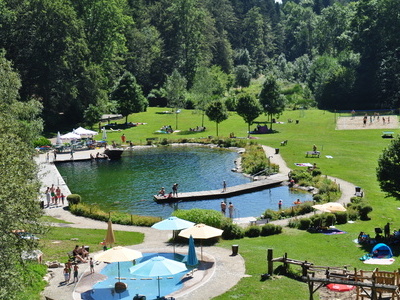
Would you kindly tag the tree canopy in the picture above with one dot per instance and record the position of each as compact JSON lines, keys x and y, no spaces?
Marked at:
{"x":389,"y":168}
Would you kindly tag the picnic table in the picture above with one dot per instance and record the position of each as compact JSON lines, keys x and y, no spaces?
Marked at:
{"x":387,"y":134}
{"x":313,"y":154}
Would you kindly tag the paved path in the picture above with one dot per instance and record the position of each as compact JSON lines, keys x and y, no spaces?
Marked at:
{"x":218,"y":273}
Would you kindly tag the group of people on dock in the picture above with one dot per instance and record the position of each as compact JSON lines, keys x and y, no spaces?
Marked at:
{"x":173,"y":194}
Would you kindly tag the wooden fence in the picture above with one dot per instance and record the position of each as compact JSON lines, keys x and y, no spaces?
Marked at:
{"x":369,"y":284}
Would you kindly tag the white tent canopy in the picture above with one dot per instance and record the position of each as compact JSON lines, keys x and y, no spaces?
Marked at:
{"x":70,"y":136}
{"x":82,"y":132}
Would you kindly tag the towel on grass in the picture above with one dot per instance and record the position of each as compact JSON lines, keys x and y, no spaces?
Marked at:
{"x":332,"y":231}
{"x":379,"y":261}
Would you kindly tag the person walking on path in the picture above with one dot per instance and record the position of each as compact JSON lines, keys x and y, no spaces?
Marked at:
{"x":123,"y":138}
{"x":231,"y":210}
{"x":48,"y":196}
{"x":224,"y":186}
{"x":66,"y":274}
{"x":91,"y":262}
{"x":175,"y":190}
{"x":76,"y":272}
{"x":223,"y":207}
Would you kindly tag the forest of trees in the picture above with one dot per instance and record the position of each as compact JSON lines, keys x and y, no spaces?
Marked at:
{"x":71,"y":54}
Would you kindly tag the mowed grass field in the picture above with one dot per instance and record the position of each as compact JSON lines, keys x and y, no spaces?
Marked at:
{"x":355,"y":154}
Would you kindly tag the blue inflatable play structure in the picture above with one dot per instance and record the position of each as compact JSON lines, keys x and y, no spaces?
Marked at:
{"x":381,"y":251}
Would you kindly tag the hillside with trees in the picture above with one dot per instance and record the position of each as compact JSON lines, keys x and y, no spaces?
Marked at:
{"x":71,"y":55}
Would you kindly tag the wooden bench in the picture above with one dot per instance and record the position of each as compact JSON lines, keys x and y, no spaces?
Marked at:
{"x":312,"y":154}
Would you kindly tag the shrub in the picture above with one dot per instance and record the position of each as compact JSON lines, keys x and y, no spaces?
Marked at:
{"x":232,"y":231}
{"x":364,"y":210}
{"x":271,"y":214}
{"x":164,"y":142}
{"x":352,"y":213}
{"x":304,"y":223}
{"x":294,"y":223}
{"x":315,"y":172}
{"x":94,"y":212}
{"x":270,"y":229}
{"x":356,"y":200}
{"x":73,"y":199}
{"x":252,"y":231}
{"x":328,"y":219}
{"x":316,"y":220}
{"x":341,"y":217}
{"x":41,"y":141}
{"x":209,"y":217}
{"x":317,"y":198}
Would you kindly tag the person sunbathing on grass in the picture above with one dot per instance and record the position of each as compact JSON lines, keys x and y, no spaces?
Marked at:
{"x":77,"y":254}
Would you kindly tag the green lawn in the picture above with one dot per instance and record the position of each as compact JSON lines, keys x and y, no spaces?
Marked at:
{"x":59,"y":241}
{"x":355,"y":154}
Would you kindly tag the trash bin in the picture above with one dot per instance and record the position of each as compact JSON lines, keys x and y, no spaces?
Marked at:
{"x":276,"y":150}
{"x":235,"y":250}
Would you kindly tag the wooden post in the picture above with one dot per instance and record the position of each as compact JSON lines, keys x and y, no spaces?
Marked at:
{"x":285,"y":264}
{"x":270,"y":256}
{"x":310,"y":287}
{"x":304,"y":269}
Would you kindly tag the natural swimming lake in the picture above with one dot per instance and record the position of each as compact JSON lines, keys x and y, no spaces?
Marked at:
{"x":129,"y":184}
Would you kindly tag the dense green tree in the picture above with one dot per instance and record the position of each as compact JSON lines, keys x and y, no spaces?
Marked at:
{"x":299,"y":28}
{"x":332,"y":30}
{"x":190,"y":35}
{"x":202,"y":90}
{"x":389,"y":168}
{"x":257,"y":37}
{"x":271,"y":100}
{"x":45,"y":40}
{"x":129,"y":96}
{"x":248,"y":107}
{"x":217,"y":112}
{"x":105,"y":25}
{"x":145,"y":51}
{"x":19,"y":190}
{"x":175,"y":90}
{"x":242,"y":76}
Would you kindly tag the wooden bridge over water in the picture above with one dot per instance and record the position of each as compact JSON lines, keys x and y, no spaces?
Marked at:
{"x":271,"y":181}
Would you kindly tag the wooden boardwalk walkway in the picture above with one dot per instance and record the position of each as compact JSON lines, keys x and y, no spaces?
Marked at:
{"x":271,"y":181}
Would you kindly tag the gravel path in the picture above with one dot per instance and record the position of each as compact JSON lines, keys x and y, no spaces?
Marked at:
{"x":218,"y":273}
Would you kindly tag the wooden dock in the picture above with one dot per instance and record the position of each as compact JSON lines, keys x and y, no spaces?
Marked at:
{"x":272,"y":181}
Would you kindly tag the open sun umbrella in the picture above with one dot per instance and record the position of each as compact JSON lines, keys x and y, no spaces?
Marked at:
{"x":118,"y":254}
{"x":330,"y":207}
{"x":173,"y":223}
{"x":158,"y":266}
{"x":202,"y":232}
{"x":110,"y":239}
